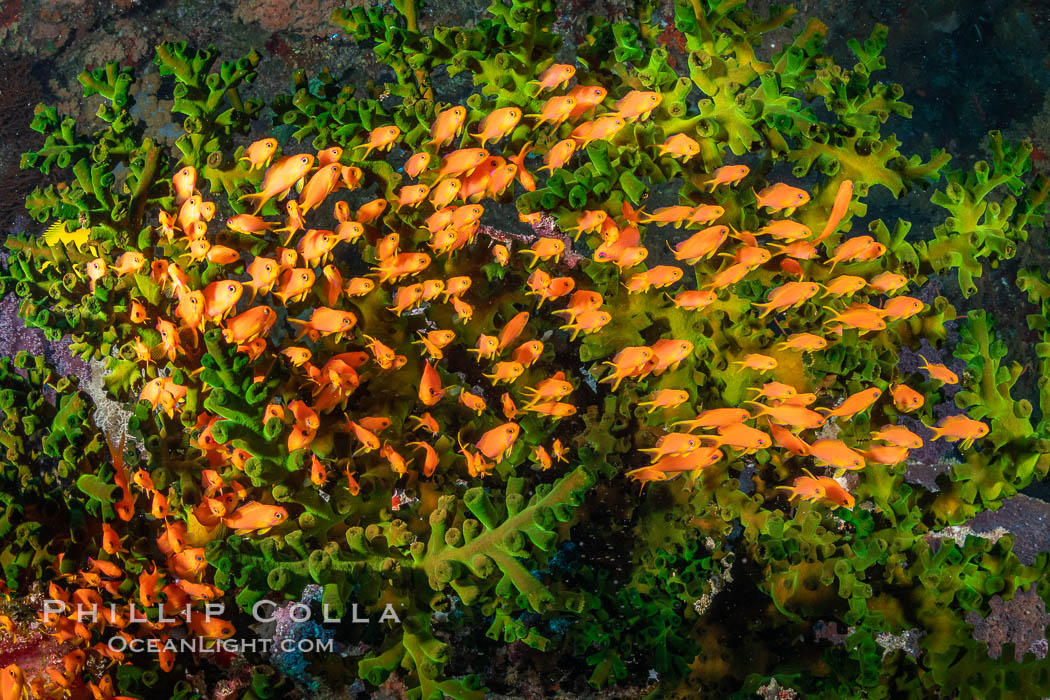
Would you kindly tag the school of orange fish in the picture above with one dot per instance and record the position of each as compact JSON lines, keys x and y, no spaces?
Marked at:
{"x":412,"y":278}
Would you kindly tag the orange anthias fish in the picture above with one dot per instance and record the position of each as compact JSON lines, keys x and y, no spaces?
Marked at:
{"x":505,"y":372}
{"x":602,"y":128}
{"x":844,"y":285}
{"x":701,"y":244}
{"x":249,"y":325}
{"x":430,"y":391}
{"x":887,"y":282}
{"x":512,"y":330}
{"x":472,"y":401}
{"x":559,"y":155}
{"x":545,"y":249}
{"x":522,"y":173}
{"x":739,"y":436}
{"x":939,"y":372}
{"x":851,"y":249}
{"x":626,"y":363}
{"x":637,"y":105}
{"x":498,"y":442}
{"x":665,"y":399}
{"x":959,"y":427}
{"x":803,"y":342}
{"x":280,"y":178}
{"x":555,"y":110}
{"x":295,"y":284}
{"x":497,"y":124}
{"x":589,"y":221}
{"x":899,"y":436}
{"x":900,"y":308}
{"x":363,"y":435}
{"x":788,"y":295}
{"x":129,"y":263}
{"x":263,"y":272}
{"x":679,"y":147}
{"x":835,"y":453}
{"x":259,"y":153}
{"x":727,"y":175}
{"x":906,"y":399}
{"x":382,"y":138}
{"x":780,"y":197}
{"x":861,"y":317}
{"x":786,"y":230}
{"x":447,"y":125}
{"x":411,"y":196}
{"x":417,"y":164}
{"x":838,"y":209}
{"x":185,"y":184}
{"x":587,"y":98}
{"x":757,"y":362}
{"x":96,"y":270}
{"x":854,"y":404}
{"x":556,"y":75}
{"x":324,"y":321}
{"x":430,"y":459}
{"x":320,"y":185}
{"x":255,"y":517}
{"x":248,"y":224}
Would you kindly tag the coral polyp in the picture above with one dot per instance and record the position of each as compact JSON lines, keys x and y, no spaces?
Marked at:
{"x":529,"y":345}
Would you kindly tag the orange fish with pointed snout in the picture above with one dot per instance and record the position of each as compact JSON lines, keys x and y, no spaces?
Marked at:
{"x":417,"y":164}
{"x":637,"y":104}
{"x":959,"y":427}
{"x":430,"y":391}
{"x":679,"y":147}
{"x":906,"y":399}
{"x":210,"y":627}
{"x":727,"y":175}
{"x":498,"y":442}
{"x":555,"y":110}
{"x":185,"y":184}
{"x":781,"y":197}
{"x":559,"y":154}
{"x":260,"y":152}
{"x":939,"y":372}
{"x":255,"y":517}
{"x":447,"y":125}
{"x":843,"y":197}
{"x":280,"y":178}
{"x":556,"y":75}
{"x":835,"y":453}
{"x":249,"y":325}
{"x":854,"y":404}
{"x":295,"y":284}
{"x":545,"y":249}
{"x":320,"y":185}
{"x":498,"y":124}
{"x":325,"y":321}
{"x":129,"y":263}
{"x":382,"y":138}
{"x":264,"y":273}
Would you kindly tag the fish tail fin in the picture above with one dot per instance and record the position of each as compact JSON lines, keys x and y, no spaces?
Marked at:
{"x":924,"y":361}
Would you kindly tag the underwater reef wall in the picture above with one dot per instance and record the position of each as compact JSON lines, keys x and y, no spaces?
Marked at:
{"x":521,"y":368}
